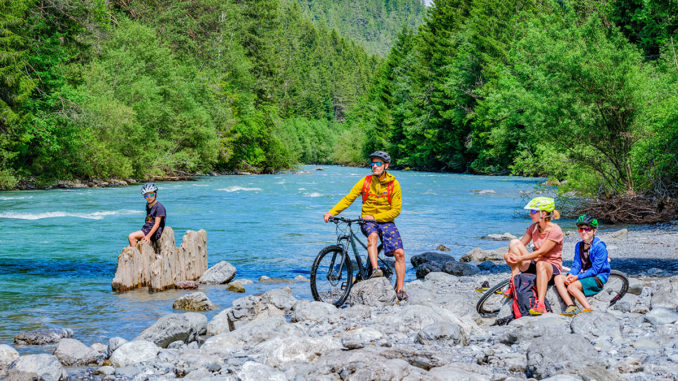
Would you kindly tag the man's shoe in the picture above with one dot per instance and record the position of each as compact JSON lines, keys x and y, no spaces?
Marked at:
{"x":571,"y":311}
{"x":377,"y":274}
{"x":402,"y":295}
{"x":539,"y":309}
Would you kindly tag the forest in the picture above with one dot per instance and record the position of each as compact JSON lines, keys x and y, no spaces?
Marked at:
{"x":582,"y":92}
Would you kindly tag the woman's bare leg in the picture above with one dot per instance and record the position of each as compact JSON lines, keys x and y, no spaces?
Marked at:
{"x":544,"y":273}
{"x":516,"y":248}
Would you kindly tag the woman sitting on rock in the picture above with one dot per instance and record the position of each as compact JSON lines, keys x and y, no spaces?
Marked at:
{"x":590,"y":268}
{"x":546,"y":260}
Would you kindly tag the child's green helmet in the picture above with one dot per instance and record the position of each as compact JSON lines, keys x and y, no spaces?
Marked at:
{"x":546,"y":204}
{"x":587,"y":220}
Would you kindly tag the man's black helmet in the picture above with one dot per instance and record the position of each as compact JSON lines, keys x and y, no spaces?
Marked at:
{"x":585,"y":219}
{"x":381,"y":155}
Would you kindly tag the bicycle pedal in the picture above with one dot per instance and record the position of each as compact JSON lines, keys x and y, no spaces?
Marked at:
{"x":482,"y":289}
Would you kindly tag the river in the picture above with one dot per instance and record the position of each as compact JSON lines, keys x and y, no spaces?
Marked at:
{"x":59,"y":248}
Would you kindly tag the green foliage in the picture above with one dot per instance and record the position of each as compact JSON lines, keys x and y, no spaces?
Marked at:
{"x":374,"y":24}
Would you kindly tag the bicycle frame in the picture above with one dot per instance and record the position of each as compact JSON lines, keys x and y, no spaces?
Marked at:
{"x":350,"y":239}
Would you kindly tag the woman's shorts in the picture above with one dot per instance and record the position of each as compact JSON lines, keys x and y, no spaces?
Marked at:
{"x":388,"y":233}
{"x":532,"y":269}
{"x":591,"y":285}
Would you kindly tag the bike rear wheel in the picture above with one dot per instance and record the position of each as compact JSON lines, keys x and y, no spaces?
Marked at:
{"x":492,"y":300}
{"x":331,"y":276}
{"x":615,"y":288}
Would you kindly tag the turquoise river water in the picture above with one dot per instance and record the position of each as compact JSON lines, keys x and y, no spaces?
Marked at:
{"x":59,"y":248}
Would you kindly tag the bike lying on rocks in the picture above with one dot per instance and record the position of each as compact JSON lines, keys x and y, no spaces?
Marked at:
{"x":332,"y":272}
{"x":492,"y":300}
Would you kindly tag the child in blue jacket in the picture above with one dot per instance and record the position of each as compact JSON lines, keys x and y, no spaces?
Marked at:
{"x":590,"y":268}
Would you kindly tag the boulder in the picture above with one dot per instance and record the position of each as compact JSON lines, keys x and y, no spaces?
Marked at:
{"x":267,"y":279}
{"x":547,"y":357}
{"x":442,"y":248}
{"x":219,"y":323}
{"x":301,"y":278}
{"x":71,"y":352}
{"x":441,"y":332}
{"x":196,"y":301}
{"x":455,"y":372}
{"x":134,"y":352}
{"x":161,"y":265}
{"x":45,"y":367}
{"x":665,"y":293}
{"x":460,"y":269}
{"x":596,"y":324}
{"x":252,"y":333}
{"x":372,"y":292}
{"x":313,"y":311}
{"x":254,"y":371}
{"x":169,"y":328}
{"x":358,"y":338}
{"x":220,"y":273}
{"x":480,"y":255}
{"x":113,"y":344}
{"x":619,"y":234}
{"x":431,"y":257}
{"x":280,"y":351}
{"x":280,"y":297}
{"x":43,"y":336}
{"x":7,"y":356}
{"x":661,"y":316}
{"x":499,"y":237}
{"x":235,"y":286}
{"x":187,"y":285}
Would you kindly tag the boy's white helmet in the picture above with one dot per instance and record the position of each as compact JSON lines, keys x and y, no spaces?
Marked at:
{"x":149,"y":188}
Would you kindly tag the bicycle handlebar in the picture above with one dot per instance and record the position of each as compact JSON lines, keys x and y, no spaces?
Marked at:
{"x":337,"y":220}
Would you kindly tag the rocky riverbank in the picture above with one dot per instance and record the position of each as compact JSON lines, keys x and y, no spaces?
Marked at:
{"x":436,"y":335}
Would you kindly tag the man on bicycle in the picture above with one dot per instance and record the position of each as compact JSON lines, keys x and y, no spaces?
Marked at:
{"x":381,"y":204}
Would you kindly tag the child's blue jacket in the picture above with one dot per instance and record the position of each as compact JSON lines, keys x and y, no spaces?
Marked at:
{"x":600,"y":266}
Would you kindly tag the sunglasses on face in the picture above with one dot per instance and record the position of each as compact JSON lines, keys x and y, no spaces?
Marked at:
{"x":585,"y":229}
{"x":377,"y":163}
{"x":533,"y":211}
{"x":147,"y":195}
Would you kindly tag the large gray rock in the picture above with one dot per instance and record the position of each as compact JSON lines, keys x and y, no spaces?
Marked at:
{"x":455,"y":372}
{"x":220,"y":273}
{"x":134,"y":352}
{"x":254,"y":371}
{"x":249,"y":308}
{"x":46,"y":367}
{"x":7,"y":356}
{"x":280,"y":351}
{"x":593,"y":325}
{"x":220,"y":323}
{"x":280,"y":298}
{"x":113,"y":344}
{"x":429,"y":262}
{"x":499,"y":237}
{"x":161,"y":265}
{"x":71,"y":352}
{"x":42,"y":336}
{"x":661,"y":316}
{"x":372,"y":292}
{"x":547,"y":356}
{"x":252,"y":333}
{"x":169,"y":328}
{"x":358,"y":338}
{"x":363,"y":364}
{"x":313,"y":311}
{"x":527,"y":328}
{"x":480,"y":255}
{"x":441,"y":332}
{"x":195,"y":301}
{"x":665,"y":293}
{"x":460,"y":269}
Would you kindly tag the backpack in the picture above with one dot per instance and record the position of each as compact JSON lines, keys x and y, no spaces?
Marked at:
{"x":366,"y":189}
{"x":524,"y":290}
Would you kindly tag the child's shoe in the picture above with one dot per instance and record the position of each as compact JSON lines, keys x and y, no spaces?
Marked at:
{"x":571,"y":311}
{"x":587,"y":310}
{"x":539,"y":309}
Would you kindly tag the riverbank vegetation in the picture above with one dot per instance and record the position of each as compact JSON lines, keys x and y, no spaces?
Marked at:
{"x":583,"y":92}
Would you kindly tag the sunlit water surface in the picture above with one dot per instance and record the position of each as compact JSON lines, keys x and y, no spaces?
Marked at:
{"x":59,"y":248}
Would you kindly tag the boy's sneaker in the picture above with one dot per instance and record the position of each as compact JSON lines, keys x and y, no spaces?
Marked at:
{"x":571,"y":311}
{"x":539,"y":309}
{"x":587,"y":310}
{"x":402,"y":295}
{"x":377,"y":274}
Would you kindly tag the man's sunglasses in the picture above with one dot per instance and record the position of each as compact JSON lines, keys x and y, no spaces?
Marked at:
{"x":147,"y":195}
{"x":585,"y":229}
{"x":377,"y":163}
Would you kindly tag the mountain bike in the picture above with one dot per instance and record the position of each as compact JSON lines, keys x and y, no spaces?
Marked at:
{"x":332,"y":271}
{"x":491,"y":301}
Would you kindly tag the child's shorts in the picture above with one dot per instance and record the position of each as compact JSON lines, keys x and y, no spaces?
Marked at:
{"x":591,"y":285}
{"x":388,"y":233}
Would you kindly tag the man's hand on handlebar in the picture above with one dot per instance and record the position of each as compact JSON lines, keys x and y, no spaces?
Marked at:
{"x":327,"y":217}
{"x":368,"y":218}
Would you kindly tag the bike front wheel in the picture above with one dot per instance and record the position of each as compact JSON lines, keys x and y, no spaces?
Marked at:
{"x":331,"y":276}
{"x":493,"y":299}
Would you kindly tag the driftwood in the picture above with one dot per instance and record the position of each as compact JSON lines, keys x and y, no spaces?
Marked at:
{"x":632,"y":210}
{"x":159,"y":266}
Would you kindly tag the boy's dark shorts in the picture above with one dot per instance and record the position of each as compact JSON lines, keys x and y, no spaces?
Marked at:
{"x":388,"y":233}
{"x":156,"y":235}
{"x":532,"y":269}
{"x":591,"y":285}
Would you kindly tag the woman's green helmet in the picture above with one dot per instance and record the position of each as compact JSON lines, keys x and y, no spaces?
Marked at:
{"x":546,"y":204}
{"x":587,"y":220}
